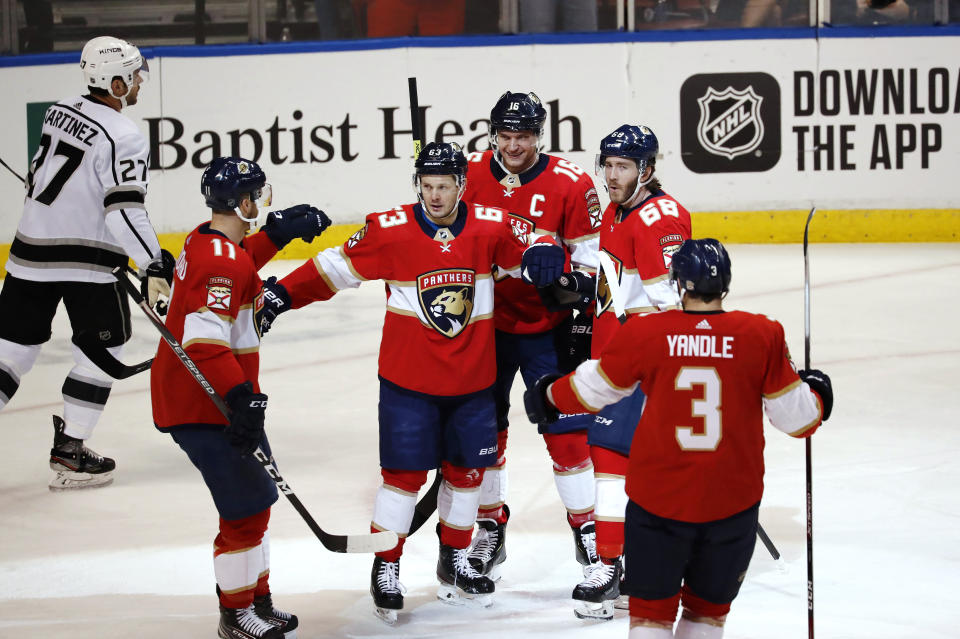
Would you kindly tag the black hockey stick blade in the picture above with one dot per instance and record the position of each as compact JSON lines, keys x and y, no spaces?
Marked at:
{"x":104,"y":359}
{"x":427,"y":504}
{"x":363,"y":543}
{"x":765,"y":538}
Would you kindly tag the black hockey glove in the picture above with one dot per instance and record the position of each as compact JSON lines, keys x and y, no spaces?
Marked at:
{"x":819,"y":382}
{"x":542,"y":264}
{"x":302,"y":220}
{"x":276,"y":300}
{"x":539,"y":409}
{"x":572,"y":339}
{"x":156,"y":281}
{"x":247,"y":412}
{"x":571,"y":290}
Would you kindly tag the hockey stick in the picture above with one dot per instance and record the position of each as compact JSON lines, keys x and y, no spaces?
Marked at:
{"x":809,"y":451}
{"x":104,"y":359}
{"x":428,"y":503}
{"x":616,"y":299}
{"x":7,"y":167}
{"x":370,"y":542}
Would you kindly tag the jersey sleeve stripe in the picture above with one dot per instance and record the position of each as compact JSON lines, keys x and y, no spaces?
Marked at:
{"x":133,"y":230}
{"x":782,"y":391}
{"x":594,"y":389}
{"x":118,"y":199}
{"x":206,"y":328}
{"x":203,"y":340}
{"x":794,"y":412}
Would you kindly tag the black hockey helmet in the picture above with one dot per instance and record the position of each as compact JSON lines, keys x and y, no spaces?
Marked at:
{"x":228,"y":179}
{"x":442,"y":158}
{"x":630,"y":141}
{"x":518,"y":112}
{"x":702,"y":267}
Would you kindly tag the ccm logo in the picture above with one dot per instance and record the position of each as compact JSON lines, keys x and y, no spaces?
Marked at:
{"x":603,"y":421}
{"x":258,"y":403}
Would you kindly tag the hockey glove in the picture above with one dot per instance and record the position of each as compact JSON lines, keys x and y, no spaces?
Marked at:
{"x":542,"y":264}
{"x":539,"y":409}
{"x":571,"y":291}
{"x":572,"y":339}
{"x":819,"y":382}
{"x":156,"y":281}
{"x":302,"y":220}
{"x":276,"y":300}
{"x":247,"y":412}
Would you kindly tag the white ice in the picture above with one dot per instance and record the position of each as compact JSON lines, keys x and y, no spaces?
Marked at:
{"x":134,"y":559}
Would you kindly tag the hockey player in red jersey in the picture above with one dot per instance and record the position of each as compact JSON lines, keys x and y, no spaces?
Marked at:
{"x":211,"y":312}
{"x":695,"y":476}
{"x":639,"y":232}
{"x":558,"y":198}
{"x":437,"y":363}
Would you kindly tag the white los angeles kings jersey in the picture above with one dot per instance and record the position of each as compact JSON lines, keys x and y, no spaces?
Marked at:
{"x":84,"y":212}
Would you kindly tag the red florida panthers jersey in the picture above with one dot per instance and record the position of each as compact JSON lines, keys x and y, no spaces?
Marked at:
{"x":558,"y":199}
{"x":640,"y":243}
{"x":212,"y":303}
{"x":438,"y":333}
{"x":697,"y":453}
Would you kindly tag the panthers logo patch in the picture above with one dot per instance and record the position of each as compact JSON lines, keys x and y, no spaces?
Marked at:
{"x":604,"y":298}
{"x":446,"y":298}
{"x":522,"y":227}
{"x":219,"y":291}
{"x":356,"y":237}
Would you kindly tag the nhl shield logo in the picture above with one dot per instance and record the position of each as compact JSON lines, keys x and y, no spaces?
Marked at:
{"x":446,"y":298}
{"x":604,"y":298}
{"x":730,"y":123}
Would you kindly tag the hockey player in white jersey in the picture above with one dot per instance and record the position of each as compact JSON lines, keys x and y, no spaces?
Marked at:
{"x":83,"y":215}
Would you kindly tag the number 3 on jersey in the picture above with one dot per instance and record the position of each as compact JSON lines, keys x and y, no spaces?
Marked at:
{"x":706,"y":408}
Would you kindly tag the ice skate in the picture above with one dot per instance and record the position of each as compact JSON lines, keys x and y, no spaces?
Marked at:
{"x":285,"y":621}
{"x":585,"y":545}
{"x":76,"y":465}
{"x":245,"y":623}
{"x":489,"y":549}
{"x":460,"y":583}
{"x":386,"y":589}
{"x":597,"y":593}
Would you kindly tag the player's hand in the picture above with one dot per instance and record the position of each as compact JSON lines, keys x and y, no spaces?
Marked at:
{"x":156,"y":280}
{"x":247,"y":413}
{"x":539,"y":409}
{"x":570,"y":291}
{"x":276,"y":300}
{"x":542,"y":264}
{"x":301,"y":221}
{"x":820,"y":383}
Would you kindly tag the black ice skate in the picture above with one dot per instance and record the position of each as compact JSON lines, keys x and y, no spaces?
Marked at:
{"x":585,"y":545}
{"x":489,"y":548}
{"x":245,"y":623}
{"x":77,"y":466}
{"x":460,"y":582}
{"x":285,"y":621}
{"x":386,"y":589}
{"x":598,"y":592}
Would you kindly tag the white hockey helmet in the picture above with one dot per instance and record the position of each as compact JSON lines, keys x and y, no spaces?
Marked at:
{"x":106,"y":57}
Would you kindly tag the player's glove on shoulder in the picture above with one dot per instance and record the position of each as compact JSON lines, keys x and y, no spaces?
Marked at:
{"x":821,"y":385}
{"x":541,"y":264}
{"x":247,"y":413}
{"x":276,"y":300}
{"x":301,"y":221}
{"x":156,"y":281}
{"x":539,"y":409}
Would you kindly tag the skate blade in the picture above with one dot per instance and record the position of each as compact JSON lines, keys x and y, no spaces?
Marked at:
{"x":622,"y":603}
{"x":455,"y":597}
{"x":386,"y":615}
{"x":591,"y":610}
{"x":69,"y":480}
{"x":495,"y":572}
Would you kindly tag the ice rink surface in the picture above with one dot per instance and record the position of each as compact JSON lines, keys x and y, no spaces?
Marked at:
{"x":134,"y":559}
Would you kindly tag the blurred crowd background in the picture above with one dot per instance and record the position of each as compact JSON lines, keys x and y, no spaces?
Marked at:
{"x":33,"y":26}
